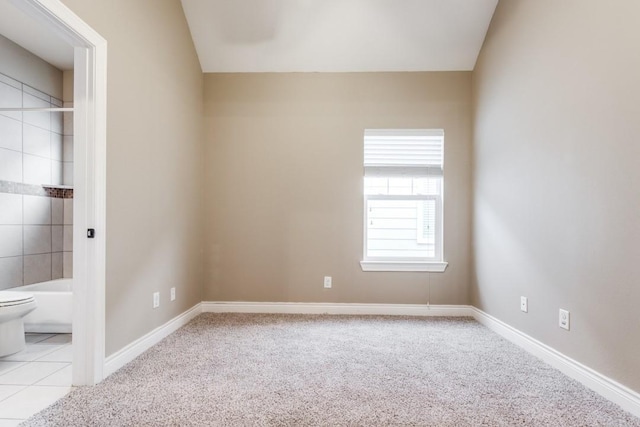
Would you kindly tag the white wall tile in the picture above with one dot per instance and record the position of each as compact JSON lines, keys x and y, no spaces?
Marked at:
{"x":28,"y":90}
{"x":37,"y":170}
{"x":37,"y":118}
{"x":56,"y":122}
{"x":67,"y":148}
{"x":67,"y":239}
{"x":56,"y":146}
{"x":11,"y":82}
{"x":56,"y":172}
{"x":10,"y":133}
{"x":57,"y":244}
{"x":10,"y":165}
{"x":57,"y":210}
{"x":37,"y":239}
{"x":68,"y":211}
{"x":56,"y":265}
{"x":67,"y":173}
{"x":10,"y":240}
{"x":10,"y":208}
{"x":37,"y":210}
{"x":10,"y":97}
{"x":36,"y":141}
{"x":67,"y":264}
{"x":37,"y":268}
{"x":10,"y":272}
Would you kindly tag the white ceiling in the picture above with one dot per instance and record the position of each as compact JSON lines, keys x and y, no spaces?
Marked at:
{"x":307,"y":35}
{"x":34,"y":37}
{"x":338,"y":35}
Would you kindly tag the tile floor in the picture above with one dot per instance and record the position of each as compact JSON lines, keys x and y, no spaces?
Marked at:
{"x":34,"y":378}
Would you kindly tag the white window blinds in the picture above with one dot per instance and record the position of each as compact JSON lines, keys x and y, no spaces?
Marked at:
{"x":414,"y":152}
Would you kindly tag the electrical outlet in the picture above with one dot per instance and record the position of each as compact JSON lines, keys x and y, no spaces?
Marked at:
{"x":327,"y":282}
{"x":524,"y":304}
{"x":156,"y":299}
{"x":173,"y":294}
{"x":563,"y":320}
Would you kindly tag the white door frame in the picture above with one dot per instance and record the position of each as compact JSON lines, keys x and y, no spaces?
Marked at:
{"x":89,"y":204}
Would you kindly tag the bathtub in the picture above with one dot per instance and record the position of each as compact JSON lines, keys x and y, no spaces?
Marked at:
{"x":54,"y":309}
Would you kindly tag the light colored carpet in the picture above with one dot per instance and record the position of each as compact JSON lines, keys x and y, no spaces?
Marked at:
{"x":297,"y":370}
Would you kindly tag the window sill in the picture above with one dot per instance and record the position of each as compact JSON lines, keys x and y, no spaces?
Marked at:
{"x":432,"y":267}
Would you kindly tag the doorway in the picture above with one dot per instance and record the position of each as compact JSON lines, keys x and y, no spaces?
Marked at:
{"x":89,"y":176}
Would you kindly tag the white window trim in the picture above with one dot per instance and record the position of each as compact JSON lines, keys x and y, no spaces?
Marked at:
{"x":424,"y":266}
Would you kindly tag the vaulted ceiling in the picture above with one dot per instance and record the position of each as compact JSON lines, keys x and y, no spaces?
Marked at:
{"x":338,"y":35}
{"x":308,"y":35}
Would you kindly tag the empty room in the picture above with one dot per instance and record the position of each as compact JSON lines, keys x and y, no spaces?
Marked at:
{"x":319,"y":213}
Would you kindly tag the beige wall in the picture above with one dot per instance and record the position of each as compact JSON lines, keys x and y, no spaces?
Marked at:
{"x":556,"y":195}
{"x":154,"y":152}
{"x":22,"y":65}
{"x":284,"y":203}
{"x":67,"y":86}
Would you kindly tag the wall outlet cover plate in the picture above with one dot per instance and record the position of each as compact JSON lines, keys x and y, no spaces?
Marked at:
{"x":564,"y":319}
{"x":327,"y":281}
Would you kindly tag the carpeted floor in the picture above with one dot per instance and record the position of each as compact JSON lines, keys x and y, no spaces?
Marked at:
{"x":297,"y":370}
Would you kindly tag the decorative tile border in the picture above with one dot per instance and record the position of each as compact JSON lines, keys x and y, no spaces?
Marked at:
{"x":60,"y":193}
{"x":35,"y":190}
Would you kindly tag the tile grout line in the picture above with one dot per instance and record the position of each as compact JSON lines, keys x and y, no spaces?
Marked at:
{"x":21,"y":364}
{"x":40,"y":379}
{"x":42,"y":339}
{"x":67,"y":364}
{"x":13,"y":394}
{"x":35,"y":360}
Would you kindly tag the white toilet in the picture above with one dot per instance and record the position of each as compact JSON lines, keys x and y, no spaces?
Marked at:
{"x":13,"y":307}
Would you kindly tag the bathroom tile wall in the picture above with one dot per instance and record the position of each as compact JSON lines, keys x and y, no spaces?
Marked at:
{"x":67,"y":145}
{"x":36,"y":223}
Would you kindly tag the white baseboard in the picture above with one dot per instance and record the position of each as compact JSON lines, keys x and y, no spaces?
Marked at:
{"x":617,"y":393}
{"x":336,"y":308}
{"x":125,"y":355}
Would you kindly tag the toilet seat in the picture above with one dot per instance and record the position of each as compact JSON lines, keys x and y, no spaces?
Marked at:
{"x":9,"y":298}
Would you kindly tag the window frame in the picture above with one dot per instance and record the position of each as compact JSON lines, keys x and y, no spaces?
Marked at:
{"x":415,"y":264}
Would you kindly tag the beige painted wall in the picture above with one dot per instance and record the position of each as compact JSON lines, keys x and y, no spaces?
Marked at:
{"x":67,"y":86}
{"x":154,"y":152}
{"x":24,"y":66}
{"x":284,"y":203}
{"x":557,"y":199}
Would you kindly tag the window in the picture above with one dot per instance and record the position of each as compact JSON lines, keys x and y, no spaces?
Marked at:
{"x":403,"y":200}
